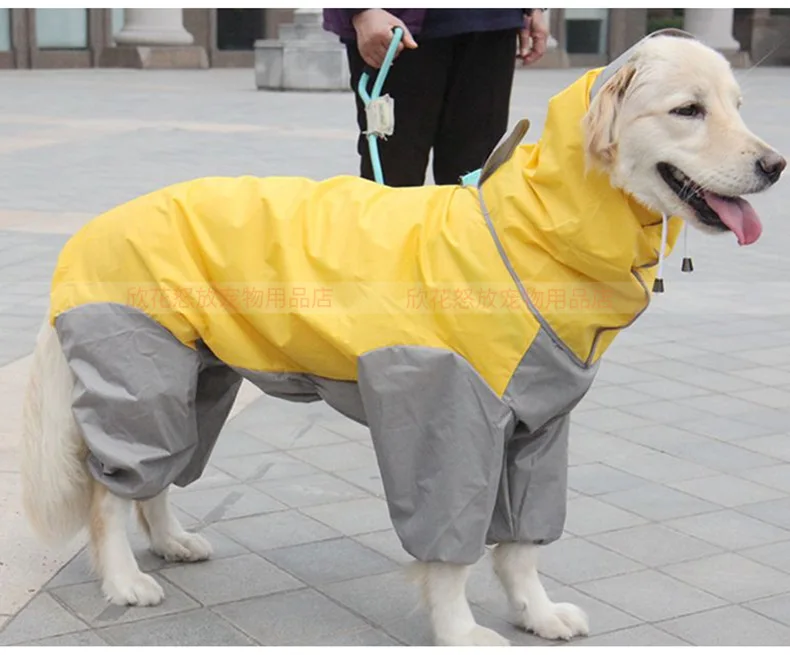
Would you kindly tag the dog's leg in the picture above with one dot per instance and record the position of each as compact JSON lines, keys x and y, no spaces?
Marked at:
{"x":168,"y":539}
{"x":516,"y":566}
{"x":444,"y":591}
{"x":122,"y":581}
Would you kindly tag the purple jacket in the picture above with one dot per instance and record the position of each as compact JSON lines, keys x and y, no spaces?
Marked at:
{"x":442,"y":22}
{"x":339,"y":20}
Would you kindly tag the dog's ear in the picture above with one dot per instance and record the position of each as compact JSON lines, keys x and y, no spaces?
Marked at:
{"x":600,"y":122}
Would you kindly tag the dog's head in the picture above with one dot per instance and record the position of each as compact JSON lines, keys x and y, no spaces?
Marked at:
{"x":666,"y":128}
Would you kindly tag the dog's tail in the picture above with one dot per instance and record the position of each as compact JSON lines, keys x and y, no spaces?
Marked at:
{"x":56,"y":485}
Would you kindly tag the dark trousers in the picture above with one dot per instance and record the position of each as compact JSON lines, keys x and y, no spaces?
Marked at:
{"x":451,"y":94}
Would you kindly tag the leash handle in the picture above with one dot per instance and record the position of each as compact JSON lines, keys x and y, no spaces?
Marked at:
{"x":397,"y":35}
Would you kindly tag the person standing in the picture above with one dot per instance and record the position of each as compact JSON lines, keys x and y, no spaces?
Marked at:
{"x":451,"y":82}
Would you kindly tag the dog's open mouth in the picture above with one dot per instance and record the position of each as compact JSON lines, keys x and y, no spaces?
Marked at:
{"x":714,"y":210}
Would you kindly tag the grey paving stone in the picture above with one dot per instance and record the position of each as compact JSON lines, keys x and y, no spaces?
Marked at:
{"x":294,"y":618}
{"x":75,"y":571}
{"x":642,"y":635}
{"x":617,"y":396}
{"x":387,"y":543}
{"x":336,"y":457}
{"x":728,"y":626}
{"x":42,"y":617}
{"x":233,"y":442}
{"x":600,"y":447}
{"x":587,"y":516}
{"x":650,"y":595}
{"x":731,"y":576}
{"x":725,"y":457}
{"x":664,"y":438}
{"x":660,"y":467}
{"x":776,"y":608}
{"x":665,"y":411}
{"x":71,"y":640}
{"x":211,"y":477}
{"x":772,"y":420}
{"x":777,"y":477}
{"x":727,"y":490}
{"x":382,"y":599}
{"x":607,"y":419}
{"x":311,"y":490}
{"x":720,"y":404}
{"x":221,"y":503}
{"x":766,"y":375}
{"x":194,"y":628}
{"x":364,"y":637}
{"x":654,"y":545}
{"x":621,"y":374}
{"x":596,"y":478}
{"x":88,"y":603}
{"x":328,"y":561}
{"x":775,"y":512}
{"x":772,"y":445}
{"x":353,"y":517}
{"x":658,"y":502}
{"x":776,"y":555}
{"x":572,"y":561}
{"x":276,"y":530}
{"x":266,"y":466}
{"x":229,"y":579}
{"x":729,"y":529}
{"x":300,"y":436}
{"x":368,"y":478}
{"x":725,"y":428}
{"x":668,"y":389}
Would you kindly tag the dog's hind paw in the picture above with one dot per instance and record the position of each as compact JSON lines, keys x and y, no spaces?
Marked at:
{"x":560,"y":621}
{"x":183,"y":547}
{"x":478,"y":636}
{"x":137,"y":589}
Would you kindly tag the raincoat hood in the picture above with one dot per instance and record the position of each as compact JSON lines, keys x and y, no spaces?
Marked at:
{"x":569,"y":235}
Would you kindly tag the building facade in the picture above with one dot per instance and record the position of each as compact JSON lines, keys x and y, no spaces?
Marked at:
{"x":66,"y":38}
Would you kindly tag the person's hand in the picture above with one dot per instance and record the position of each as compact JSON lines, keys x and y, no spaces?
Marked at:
{"x":374,"y":34}
{"x":533,"y":37}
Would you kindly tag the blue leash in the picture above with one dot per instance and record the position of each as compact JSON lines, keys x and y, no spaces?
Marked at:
{"x":367,"y":98}
{"x":470,"y":179}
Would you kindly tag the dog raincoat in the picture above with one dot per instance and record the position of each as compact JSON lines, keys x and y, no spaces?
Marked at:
{"x":460,"y":323}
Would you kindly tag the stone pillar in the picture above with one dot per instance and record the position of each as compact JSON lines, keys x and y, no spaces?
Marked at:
{"x":154,"y":38}
{"x":304,"y":57}
{"x":714,"y":28}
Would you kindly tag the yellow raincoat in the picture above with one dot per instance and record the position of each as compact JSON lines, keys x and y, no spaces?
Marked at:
{"x":460,"y":323}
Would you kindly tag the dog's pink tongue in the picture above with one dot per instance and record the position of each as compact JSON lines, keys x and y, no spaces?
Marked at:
{"x":738,"y":215}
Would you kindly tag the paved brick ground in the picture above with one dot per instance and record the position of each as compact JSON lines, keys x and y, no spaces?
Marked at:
{"x":679,"y":517}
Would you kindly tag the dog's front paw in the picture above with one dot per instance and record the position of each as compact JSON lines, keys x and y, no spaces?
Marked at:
{"x":137,"y":589}
{"x":558,"y":621}
{"x":478,"y":636}
{"x":183,"y":547}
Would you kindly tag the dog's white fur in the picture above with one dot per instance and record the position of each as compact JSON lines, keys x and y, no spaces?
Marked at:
{"x":629,"y":129}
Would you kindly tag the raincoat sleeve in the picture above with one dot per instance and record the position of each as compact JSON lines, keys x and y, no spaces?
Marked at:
{"x":439,"y":433}
{"x":149,"y":408}
{"x":531,"y":505}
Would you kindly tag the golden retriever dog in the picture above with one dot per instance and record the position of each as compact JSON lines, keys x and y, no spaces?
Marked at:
{"x":661,"y":131}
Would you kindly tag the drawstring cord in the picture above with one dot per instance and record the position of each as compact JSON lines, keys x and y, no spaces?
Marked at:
{"x":687,"y":266}
{"x":658,"y":283}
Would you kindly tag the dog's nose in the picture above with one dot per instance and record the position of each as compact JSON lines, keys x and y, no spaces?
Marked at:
{"x":772,"y":165}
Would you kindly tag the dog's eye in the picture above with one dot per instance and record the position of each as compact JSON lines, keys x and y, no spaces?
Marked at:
{"x":694,"y":110}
